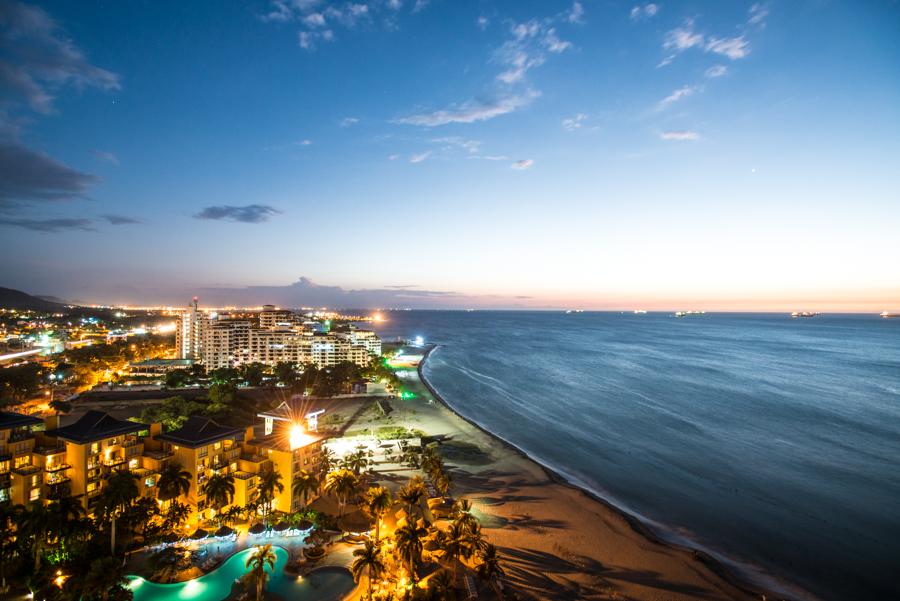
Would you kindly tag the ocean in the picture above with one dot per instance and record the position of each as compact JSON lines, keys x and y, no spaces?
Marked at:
{"x":771,"y":442}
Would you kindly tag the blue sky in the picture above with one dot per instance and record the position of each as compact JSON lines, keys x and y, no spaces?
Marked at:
{"x":401,"y":153}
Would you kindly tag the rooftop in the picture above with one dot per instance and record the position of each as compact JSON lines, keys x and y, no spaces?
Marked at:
{"x":294,"y":410}
{"x":199,"y":431}
{"x":17,"y":420}
{"x":163,"y":363}
{"x":94,"y":426}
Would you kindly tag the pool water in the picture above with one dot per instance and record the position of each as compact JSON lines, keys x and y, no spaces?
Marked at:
{"x":326,"y":584}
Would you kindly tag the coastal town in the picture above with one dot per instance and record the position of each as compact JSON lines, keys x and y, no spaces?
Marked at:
{"x":271,"y":454}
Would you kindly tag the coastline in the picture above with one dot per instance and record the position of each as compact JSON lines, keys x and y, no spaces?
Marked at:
{"x":745,"y":587}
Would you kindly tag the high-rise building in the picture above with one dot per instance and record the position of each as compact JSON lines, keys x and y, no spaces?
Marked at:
{"x":188,"y":337}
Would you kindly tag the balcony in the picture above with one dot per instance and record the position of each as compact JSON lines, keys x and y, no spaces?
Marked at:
{"x":56,"y":467}
{"x":25,"y":470}
{"x":50,"y":450}
{"x":113,"y":461}
{"x":142,"y":472}
{"x":243,"y":475}
{"x":18,"y":436}
{"x":131,"y":442}
{"x":252,"y":458}
{"x":157,"y":454}
{"x":57,"y":479}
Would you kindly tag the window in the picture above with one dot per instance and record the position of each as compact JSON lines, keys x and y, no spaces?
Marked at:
{"x":35,"y":494}
{"x":35,"y":480}
{"x":95,"y":448}
{"x":150,"y":482}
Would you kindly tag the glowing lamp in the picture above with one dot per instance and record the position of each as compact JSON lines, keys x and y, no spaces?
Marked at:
{"x":296,"y":437}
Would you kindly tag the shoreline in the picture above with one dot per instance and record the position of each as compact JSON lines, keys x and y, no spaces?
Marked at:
{"x":718,"y":567}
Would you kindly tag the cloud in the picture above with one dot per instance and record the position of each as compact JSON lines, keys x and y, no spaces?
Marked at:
{"x":684,"y":38}
{"x":675,"y":96}
{"x":482,"y":23}
{"x":680,"y":136}
{"x":643,"y":12}
{"x":348,"y":121}
{"x":574,"y":123}
{"x":306,"y":293}
{"x":254,"y":213}
{"x":716,"y":71}
{"x":28,"y":176}
{"x":523,"y":164}
{"x":470,"y":112}
{"x":733,"y":48}
{"x":418,"y":158}
{"x":308,"y":40}
{"x":758,"y":14}
{"x":314,"y":20}
{"x":576,"y":13}
{"x":393,"y":157}
{"x":554,"y":44}
{"x":490,"y":157}
{"x":39,"y":59}
{"x":106,"y":157}
{"x":420,"y":5}
{"x":120,"y":219}
{"x":49,"y":225}
{"x":471,"y":146}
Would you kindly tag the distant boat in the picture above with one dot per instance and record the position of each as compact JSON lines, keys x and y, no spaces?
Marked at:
{"x":804,"y":314}
{"x":686,"y":313}
{"x":640,"y":312}
{"x":888,"y":314}
{"x":574,"y":311}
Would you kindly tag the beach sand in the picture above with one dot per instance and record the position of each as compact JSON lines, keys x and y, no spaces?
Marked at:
{"x":556,"y":541}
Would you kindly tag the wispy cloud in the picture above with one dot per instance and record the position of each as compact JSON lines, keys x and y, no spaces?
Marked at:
{"x":29,"y":176}
{"x":716,"y":71}
{"x":254,"y":213}
{"x":676,"y":95}
{"x":470,"y":112}
{"x":523,"y":164}
{"x":39,"y":59}
{"x":757,"y":14}
{"x":49,"y":225}
{"x":644,"y":11}
{"x":348,"y":121}
{"x":308,"y":40}
{"x":418,"y":158}
{"x":471,"y":146}
{"x":482,"y":22}
{"x":106,"y":157}
{"x":573,"y":123}
{"x":576,"y":13}
{"x":120,"y":219}
{"x":680,"y":136}
{"x":684,"y":38}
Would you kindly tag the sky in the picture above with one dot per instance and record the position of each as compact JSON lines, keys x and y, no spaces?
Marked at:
{"x":720,"y":155}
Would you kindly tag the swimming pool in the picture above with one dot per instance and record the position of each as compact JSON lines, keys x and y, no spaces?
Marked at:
{"x":324,"y":584}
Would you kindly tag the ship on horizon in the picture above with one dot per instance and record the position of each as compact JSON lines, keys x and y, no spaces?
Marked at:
{"x":687,"y":313}
{"x":804,"y":314}
{"x":889,"y":314}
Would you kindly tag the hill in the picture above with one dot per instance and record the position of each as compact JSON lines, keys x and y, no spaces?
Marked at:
{"x":16,"y":299}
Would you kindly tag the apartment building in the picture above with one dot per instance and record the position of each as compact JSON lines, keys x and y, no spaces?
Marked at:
{"x":270,"y":336}
{"x":21,"y":482}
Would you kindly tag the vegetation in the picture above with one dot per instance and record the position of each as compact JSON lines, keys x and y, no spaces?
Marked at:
{"x":258,"y":561}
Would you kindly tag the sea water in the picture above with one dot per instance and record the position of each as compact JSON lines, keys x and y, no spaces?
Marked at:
{"x":771,"y":441}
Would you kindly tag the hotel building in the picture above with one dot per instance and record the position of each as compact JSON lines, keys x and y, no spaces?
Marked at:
{"x":270,"y":336}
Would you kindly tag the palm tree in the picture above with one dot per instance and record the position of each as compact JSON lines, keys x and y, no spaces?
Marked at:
{"x":458,"y":544}
{"x":327,"y":461}
{"x":219,"y":491}
{"x":105,"y":576}
{"x":121,"y":489}
{"x":269,"y":483}
{"x":442,"y":586}
{"x":164,"y":564}
{"x":408,"y":539}
{"x":173,"y":482}
{"x":343,"y":484}
{"x":490,"y":569}
{"x":368,"y":559}
{"x":10,"y":515}
{"x":462,"y":514}
{"x":412,"y":494}
{"x":378,"y":501}
{"x":263,"y":556}
{"x":60,"y":406}
{"x":35,"y":525}
{"x":304,"y":486}
{"x":356,"y":461}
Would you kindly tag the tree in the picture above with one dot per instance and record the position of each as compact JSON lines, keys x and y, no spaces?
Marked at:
{"x":442,"y":586}
{"x":356,"y":461}
{"x":177,"y":378}
{"x":378,"y":501}
{"x":368,"y":559}
{"x":173,"y":482}
{"x":60,"y":406}
{"x":219,"y":491}
{"x":253,"y":373}
{"x":408,"y":539}
{"x":412,"y":494}
{"x":10,"y":515}
{"x":121,"y":489}
{"x":489,"y":568}
{"x":327,"y":461}
{"x":286,"y":373}
{"x":462,"y":515}
{"x":263,"y":557}
{"x":35,"y":525}
{"x":105,"y":578}
{"x":458,"y":544}
{"x":172,"y":413}
{"x":343,"y":484}
{"x":305,"y":484}
{"x":269,"y":483}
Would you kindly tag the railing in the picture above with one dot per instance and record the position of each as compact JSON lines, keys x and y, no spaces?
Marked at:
{"x":53,"y":480}
{"x":24,"y":470}
{"x":56,"y":467}
{"x":113,"y":461}
{"x":21,"y":435}
{"x":132,"y":442}
{"x":253,"y":458}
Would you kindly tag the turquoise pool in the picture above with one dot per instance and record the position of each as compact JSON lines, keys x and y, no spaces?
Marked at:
{"x":325,"y":584}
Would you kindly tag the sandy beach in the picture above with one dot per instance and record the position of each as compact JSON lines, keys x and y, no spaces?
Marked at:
{"x":557,"y":541}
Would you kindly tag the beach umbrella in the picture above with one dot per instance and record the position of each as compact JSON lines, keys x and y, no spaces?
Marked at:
{"x":257,"y":528}
{"x":281,"y":526}
{"x":170,"y":537}
{"x":224,"y":531}
{"x":304,"y":525}
{"x":199,"y":534}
